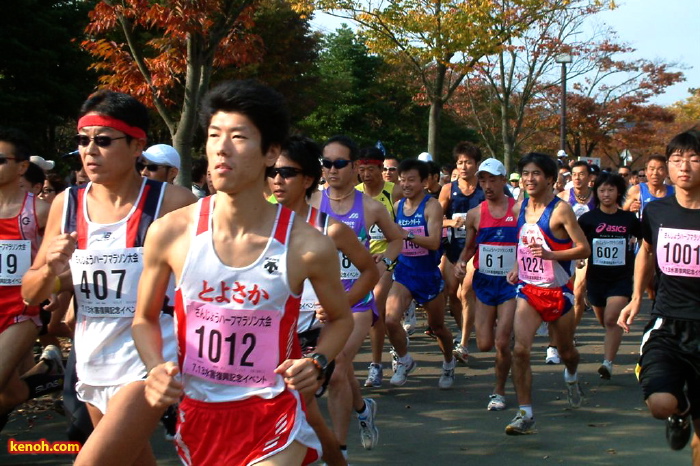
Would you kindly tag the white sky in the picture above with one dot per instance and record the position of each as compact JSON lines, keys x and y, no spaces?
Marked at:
{"x":667,"y":30}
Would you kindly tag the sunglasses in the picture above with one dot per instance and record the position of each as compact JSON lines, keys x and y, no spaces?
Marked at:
{"x":151,"y":167}
{"x":389,"y":169}
{"x":101,"y":141}
{"x":4,"y":159}
{"x":284,"y":172}
{"x":46,"y":191}
{"x":338,"y":164}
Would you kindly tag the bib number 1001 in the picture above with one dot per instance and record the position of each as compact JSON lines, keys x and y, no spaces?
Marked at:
{"x":213,"y":343}
{"x":686,"y":254}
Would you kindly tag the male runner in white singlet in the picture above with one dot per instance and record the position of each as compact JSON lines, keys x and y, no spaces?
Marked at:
{"x":240,"y":265}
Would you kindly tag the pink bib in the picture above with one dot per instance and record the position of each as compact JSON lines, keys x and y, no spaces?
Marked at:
{"x":678,"y":252}
{"x":411,"y":249}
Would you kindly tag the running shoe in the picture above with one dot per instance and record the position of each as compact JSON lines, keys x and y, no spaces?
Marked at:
{"x":409,"y":319}
{"x":447,"y":379}
{"x":678,"y":431}
{"x":54,"y":359}
{"x":496,"y":402}
{"x":574,"y":394}
{"x":605,"y":370}
{"x":552,"y":356}
{"x":457,"y":340}
{"x":429,"y":331}
{"x":521,"y":425}
{"x":401,"y":372}
{"x":369,"y":434}
{"x":461,"y":353}
{"x":375,"y":375}
{"x":542,"y":330}
{"x":394,"y":358}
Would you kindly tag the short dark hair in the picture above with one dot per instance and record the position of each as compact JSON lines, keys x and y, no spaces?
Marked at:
{"x":468,"y":149}
{"x":543,"y":161}
{"x":391,"y":157}
{"x":657,"y":157}
{"x":307,"y":153}
{"x":117,"y":105}
{"x":34,"y":174}
{"x":56,"y":182}
{"x":610,"y":179}
{"x":371,"y":153}
{"x":594,"y":169}
{"x":199,"y":168}
{"x":19,"y":140}
{"x":684,"y":142}
{"x":347,"y":142}
{"x":581,"y":163}
{"x":433,"y":168}
{"x":414,"y":164}
{"x":261,"y":104}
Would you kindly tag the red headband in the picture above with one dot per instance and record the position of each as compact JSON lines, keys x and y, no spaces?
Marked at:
{"x":379,"y":163}
{"x":119,"y":125}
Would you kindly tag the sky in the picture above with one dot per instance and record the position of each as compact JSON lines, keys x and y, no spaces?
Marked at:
{"x":667,"y":30}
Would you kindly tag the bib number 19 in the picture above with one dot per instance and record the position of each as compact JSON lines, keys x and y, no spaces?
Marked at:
{"x":8,"y":264}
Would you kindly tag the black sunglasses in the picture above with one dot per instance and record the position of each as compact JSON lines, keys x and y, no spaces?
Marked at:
{"x":4,"y":159}
{"x":284,"y":172}
{"x":338,"y":164}
{"x":151,"y":167}
{"x":101,"y":141}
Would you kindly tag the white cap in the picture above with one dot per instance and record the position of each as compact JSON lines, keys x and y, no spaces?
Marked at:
{"x":44,"y":164}
{"x":163,"y":154}
{"x":425,"y":157}
{"x":561,"y":153}
{"x":492,"y":166}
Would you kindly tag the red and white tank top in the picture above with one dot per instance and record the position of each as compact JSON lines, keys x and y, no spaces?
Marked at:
{"x":19,"y":241}
{"x":309,"y":300}
{"x":106,"y":268}
{"x":235,"y":325}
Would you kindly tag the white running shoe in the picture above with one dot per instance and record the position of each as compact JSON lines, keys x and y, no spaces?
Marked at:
{"x":375,"y":375}
{"x":401,"y":372}
{"x":574,"y":394}
{"x":447,"y":379}
{"x":542,"y":330}
{"x":552,"y":356}
{"x":461,"y":353}
{"x":53,"y":358}
{"x":521,"y":425}
{"x":496,"y":402}
{"x":409,"y":319}
{"x":369,"y":433}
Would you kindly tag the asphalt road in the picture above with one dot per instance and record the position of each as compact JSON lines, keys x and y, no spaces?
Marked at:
{"x":422,"y":425}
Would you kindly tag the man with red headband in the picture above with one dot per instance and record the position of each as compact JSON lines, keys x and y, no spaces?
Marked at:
{"x":94,"y":242}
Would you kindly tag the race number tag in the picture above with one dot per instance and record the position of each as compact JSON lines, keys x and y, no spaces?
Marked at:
{"x":460,"y":232}
{"x":678,"y":252}
{"x":348,"y":271}
{"x":15,"y":260}
{"x":411,"y":249}
{"x":609,"y":251}
{"x":496,"y":259}
{"x":105,"y":282}
{"x":231,"y":347}
{"x":376,"y":233}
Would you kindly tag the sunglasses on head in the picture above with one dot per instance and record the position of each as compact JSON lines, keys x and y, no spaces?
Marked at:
{"x":284,"y":172}
{"x":4,"y":159}
{"x":151,"y":167}
{"x":101,"y":141}
{"x":338,"y":164}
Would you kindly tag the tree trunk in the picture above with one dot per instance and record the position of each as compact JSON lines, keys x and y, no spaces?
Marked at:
{"x":434,"y":127}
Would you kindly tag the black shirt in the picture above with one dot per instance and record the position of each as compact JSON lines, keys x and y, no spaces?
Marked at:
{"x":612,"y":239}
{"x":674,"y":234}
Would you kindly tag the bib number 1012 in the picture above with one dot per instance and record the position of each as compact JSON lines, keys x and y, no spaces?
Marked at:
{"x":213,"y":343}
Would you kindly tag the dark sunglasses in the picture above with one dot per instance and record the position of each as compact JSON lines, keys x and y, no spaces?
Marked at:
{"x":338,"y":164}
{"x":151,"y":167}
{"x":4,"y":159}
{"x":101,"y":141}
{"x":48,"y":191}
{"x":284,"y":172}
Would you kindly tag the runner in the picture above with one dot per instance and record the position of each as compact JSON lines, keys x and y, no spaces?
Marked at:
{"x":390,"y":169}
{"x":22,"y":222}
{"x":669,"y":361}
{"x":160,"y":162}
{"x":387,"y":193}
{"x":361,"y":213}
{"x":240,"y":281}
{"x":612,"y":234}
{"x":417,"y":275}
{"x":97,"y":231}
{"x":293,"y":180}
{"x":492,"y":236}
{"x":549,"y":240}
{"x":640,"y":195}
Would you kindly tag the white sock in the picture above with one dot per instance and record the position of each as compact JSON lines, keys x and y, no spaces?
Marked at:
{"x":405,"y":360}
{"x":528,"y":411}
{"x":570,"y":378}
{"x":449,"y":365}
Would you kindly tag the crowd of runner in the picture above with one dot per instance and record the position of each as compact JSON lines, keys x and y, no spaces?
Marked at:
{"x":224,"y":311}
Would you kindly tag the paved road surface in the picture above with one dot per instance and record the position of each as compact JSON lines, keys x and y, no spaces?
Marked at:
{"x":422,"y":425}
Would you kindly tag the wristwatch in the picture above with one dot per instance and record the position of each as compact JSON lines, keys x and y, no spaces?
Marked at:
{"x":410,"y":235}
{"x":321,"y":363}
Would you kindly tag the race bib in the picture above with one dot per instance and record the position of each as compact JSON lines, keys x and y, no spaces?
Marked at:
{"x":496,"y":259}
{"x":376,"y":233}
{"x":348,"y":271}
{"x":15,"y":260}
{"x":410,"y":249}
{"x":105,"y":282}
{"x":609,"y":251}
{"x":678,"y":252}
{"x":231,"y":347}
{"x":460,"y":232}
{"x":534,"y":269}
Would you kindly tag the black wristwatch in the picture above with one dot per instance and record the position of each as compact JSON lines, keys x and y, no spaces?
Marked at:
{"x":410,"y":235}
{"x":389,"y":263}
{"x":321,"y":363}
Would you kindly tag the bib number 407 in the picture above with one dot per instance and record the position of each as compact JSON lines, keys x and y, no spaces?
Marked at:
{"x":99,"y":285}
